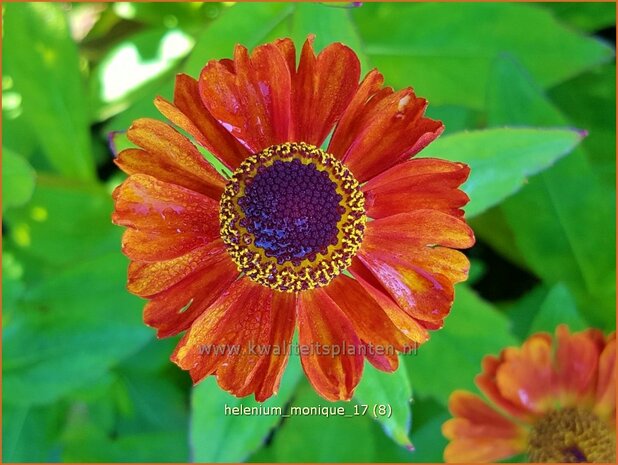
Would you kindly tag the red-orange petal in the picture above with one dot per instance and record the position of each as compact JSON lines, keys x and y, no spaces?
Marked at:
{"x":227,"y":330}
{"x":246,"y":361}
{"x":428,"y":228}
{"x":149,"y":278}
{"x":253,"y":104}
{"x":288,"y":50}
{"x":383,"y":361}
{"x":526,"y":377}
{"x":478,"y":433}
{"x":148,"y":204}
{"x":188,"y":113}
{"x":413,"y":329}
{"x":205,"y":346}
{"x":369,"y":320}
{"x":169,"y":156}
{"x":324,"y":327}
{"x":175,"y":309}
{"x":283,"y":322}
{"x":422,"y":183}
{"x":323,"y":88}
{"x":576,"y":364}
{"x":152,"y":246}
{"x":344,"y":134}
{"x":606,"y":381}
{"x":241,"y":374}
{"x":424,"y":296}
{"x":407,"y":253}
{"x":487,"y":384}
{"x":425,"y":238}
{"x":377,"y":143}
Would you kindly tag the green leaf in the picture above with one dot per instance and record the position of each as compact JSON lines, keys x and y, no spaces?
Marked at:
{"x":445,"y":50}
{"x":169,"y":14}
{"x":492,"y":228}
{"x":329,"y":24}
{"x":455,"y":118}
{"x":89,"y":443}
{"x":251,"y":22}
{"x":45,"y":68}
{"x":29,"y":434}
{"x":218,"y":435}
{"x":501,"y":159}
{"x":589,"y":16}
{"x":12,"y":283}
{"x":597,"y":88}
{"x":139,"y":413}
{"x":452,"y":357}
{"x":391,"y":389}
{"x":563,"y":221}
{"x":312,"y":438}
{"x":427,"y":431}
{"x":69,"y":331}
{"x":16,"y":133}
{"x":558,"y":307}
{"x":523,"y":311}
{"x":18,"y":179}
{"x":63,"y":212}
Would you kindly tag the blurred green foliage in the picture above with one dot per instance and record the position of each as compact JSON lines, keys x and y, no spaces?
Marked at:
{"x":516,"y":85}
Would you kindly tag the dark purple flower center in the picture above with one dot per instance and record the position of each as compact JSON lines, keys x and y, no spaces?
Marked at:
{"x":292,"y":209}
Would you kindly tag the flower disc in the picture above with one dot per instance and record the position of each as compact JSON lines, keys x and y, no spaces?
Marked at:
{"x":292,"y":217}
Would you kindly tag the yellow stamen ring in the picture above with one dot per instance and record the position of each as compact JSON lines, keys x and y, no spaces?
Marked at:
{"x":571,"y":435}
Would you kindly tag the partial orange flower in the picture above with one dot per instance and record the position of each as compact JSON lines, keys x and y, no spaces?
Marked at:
{"x":553,"y":399}
{"x":352,"y":243}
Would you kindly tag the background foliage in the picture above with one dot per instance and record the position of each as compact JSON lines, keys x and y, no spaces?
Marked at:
{"x":85,"y":380}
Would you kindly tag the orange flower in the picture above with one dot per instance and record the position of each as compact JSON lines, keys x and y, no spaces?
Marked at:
{"x":554,"y":400}
{"x":353,"y":244}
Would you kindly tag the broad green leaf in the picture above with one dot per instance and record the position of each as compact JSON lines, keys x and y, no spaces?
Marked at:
{"x":587,"y":16}
{"x":42,"y":60}
{"x":188,"y":15}
{"x":69,"y":330}
{"x":426,"y":436}
{"x":16,"y":133}
{"x":139,"y":413}
{"x":89,"y":443}
{"x":492,"y":228}
{"x":18,"y":179}
{"x":329,"y":24}
{"x":316,"y":437}
{"x":428,"y":440}
{"x":564,"y":219}
{"x":455,"y":118}
{"x":12,"y":284}
{"x":393,"y":390}
{"x":558,"y":307}
{"x":157,"y":400}
{"x":501,"y":159}
{"x":445,"y":50}
{"x":523,"y":311}
{"x":29,"y":434}
{"x":452,"y":357}
{"x":217,"y":435}
{"x":63,"y":212}
{"x":251,"y":23}
{"x":589,"y":101}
